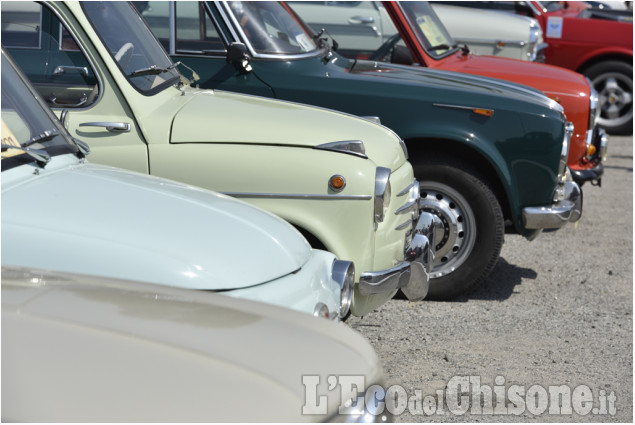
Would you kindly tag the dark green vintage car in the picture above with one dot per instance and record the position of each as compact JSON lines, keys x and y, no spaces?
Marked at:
{"x":490,"y":156}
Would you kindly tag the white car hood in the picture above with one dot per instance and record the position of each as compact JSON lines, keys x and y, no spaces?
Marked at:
{"x":109,"y":222}
{"x":81,"y":349}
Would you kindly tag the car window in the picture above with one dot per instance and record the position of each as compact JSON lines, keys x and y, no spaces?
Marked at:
{"x":49,"y":55}
{"x":26,"y":122}
{"x":195,"y":30}
{"x":132,"y":45}
{"x":271,"y":28}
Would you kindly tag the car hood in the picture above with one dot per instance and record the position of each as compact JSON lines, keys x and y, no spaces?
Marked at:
{"x":554,"y":81}
{"x":85,"y":349}
{"x":454,"y":81}
{"x":99,"y":220}
{"x":304,"y":126}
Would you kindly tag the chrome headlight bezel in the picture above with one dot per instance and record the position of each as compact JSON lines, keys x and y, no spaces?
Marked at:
{"x":563,"y":170}
{"x":382,"y":193}
{"x":343,"y":272}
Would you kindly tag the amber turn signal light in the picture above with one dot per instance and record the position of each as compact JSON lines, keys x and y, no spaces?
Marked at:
{"x":337,"y":182}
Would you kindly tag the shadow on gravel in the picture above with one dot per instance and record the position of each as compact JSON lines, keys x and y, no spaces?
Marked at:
{"x":500,"y":284}
{"x":617,"y":167}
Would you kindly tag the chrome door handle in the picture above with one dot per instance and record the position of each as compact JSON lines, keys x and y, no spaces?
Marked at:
{"x":61,"y":69}
{"x":361,"y":20}
{"x":122,"y":127}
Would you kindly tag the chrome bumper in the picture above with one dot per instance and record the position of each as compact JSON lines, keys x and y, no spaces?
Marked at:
{"x":411,"y":275}
{"x":558,"y":214}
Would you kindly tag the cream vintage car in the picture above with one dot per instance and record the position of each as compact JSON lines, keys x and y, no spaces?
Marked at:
{"x":344,"y":182}
{"x":84,"y":349}
{"x":60,"y":212}
{"x":367,"y":24}
{"x":494,"y":33}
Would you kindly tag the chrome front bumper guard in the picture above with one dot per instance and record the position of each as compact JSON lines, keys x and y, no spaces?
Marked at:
{"x":568,"y":210}
{"x":412,"y":274}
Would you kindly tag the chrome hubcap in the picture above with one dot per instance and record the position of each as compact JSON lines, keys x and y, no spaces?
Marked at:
{"x":455,"y":238}
{"x":615,"y":93}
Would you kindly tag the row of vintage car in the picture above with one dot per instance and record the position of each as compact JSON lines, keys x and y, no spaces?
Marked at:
{"x":411,"y":188}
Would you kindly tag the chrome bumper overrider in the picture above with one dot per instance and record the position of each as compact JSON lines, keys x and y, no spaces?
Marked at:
{"x":411,"y":275}
{"x":558,"y":214}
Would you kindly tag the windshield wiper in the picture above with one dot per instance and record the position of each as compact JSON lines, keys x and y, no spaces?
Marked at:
{"x":464,"y":49}
{"x":153,"y":70}
{"x":41,"y":157}
{"x":441,"y":47}
{"x":45,"y":136}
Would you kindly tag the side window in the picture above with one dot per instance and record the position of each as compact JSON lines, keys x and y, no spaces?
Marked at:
{"x":195,"y":31}
{"x":55,"y":65}
{"x":21,"y":25}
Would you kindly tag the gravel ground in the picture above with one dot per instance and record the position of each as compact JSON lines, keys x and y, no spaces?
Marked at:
{"x":555,"y":311}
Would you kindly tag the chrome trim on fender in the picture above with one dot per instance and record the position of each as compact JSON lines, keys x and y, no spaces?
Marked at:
{"x":350,"y":147}
{"x":298,"y":196}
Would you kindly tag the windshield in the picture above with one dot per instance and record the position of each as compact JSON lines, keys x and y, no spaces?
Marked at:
{"x":131,"y":43}
{"x":428,"y":28}
{"x":27,"y":122}
{"x":272,"y":28}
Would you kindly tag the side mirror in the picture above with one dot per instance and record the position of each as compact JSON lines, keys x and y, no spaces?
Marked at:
{"x":401,"y":55}
{"x":237,"y":55}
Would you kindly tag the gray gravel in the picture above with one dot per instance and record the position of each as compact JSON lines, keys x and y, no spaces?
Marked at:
{"x":555,"y":311}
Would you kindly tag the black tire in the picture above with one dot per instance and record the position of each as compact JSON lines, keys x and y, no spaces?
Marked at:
{"x":469,"y":242}
{"x":613,"y":81}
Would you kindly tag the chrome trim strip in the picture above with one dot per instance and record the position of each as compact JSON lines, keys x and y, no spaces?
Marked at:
{"x":172,"y":28}
{"x":404,"y":225}
{"x":488,"y":41}
{"x":298,"y":196}
{"x":407,"y":207}
{"x":350,"y":147}
{"x":406,"y":190}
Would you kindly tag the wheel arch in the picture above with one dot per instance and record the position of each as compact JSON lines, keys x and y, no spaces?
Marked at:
{"x":419,"y":147}
{"x":613,"y":56}
{"x":312,"y":239}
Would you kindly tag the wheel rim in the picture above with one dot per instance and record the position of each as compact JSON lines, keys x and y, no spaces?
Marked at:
{"x":456,"y":237}
{"x":615,"y":91}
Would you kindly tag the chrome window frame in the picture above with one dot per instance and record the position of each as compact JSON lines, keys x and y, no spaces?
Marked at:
{"x":87,"y":56}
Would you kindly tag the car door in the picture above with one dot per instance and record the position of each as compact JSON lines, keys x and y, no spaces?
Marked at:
{"x":195,"y":39}
{"x":64,"y":74}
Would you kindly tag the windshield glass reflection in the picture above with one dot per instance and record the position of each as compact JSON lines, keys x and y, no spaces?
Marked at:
{"x":272,"y":28}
